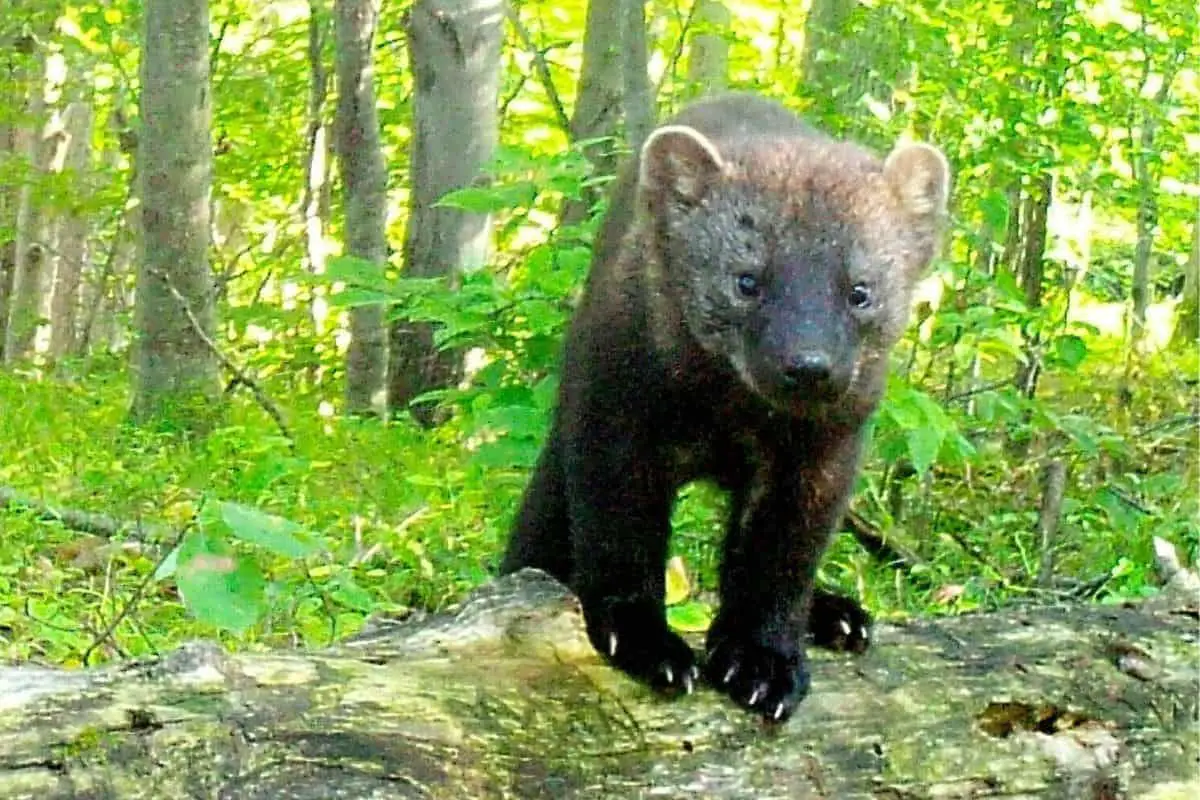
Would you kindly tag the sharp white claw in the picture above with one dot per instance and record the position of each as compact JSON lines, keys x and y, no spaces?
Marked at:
{"x":778,"y":715}
{"x":688,"y":682}
{"x":670,"y":673}
{"x":612,"y":645}
{"x":729,"y":673}
{"x":864,"y":633}
{"x":755,"y":695}
{"x":845,"y":626}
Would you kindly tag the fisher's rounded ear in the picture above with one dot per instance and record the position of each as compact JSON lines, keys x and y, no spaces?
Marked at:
{"x":920,"y":177}
{"x":678,"y":166}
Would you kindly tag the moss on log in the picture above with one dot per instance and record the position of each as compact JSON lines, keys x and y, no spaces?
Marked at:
{"x":503,"y":697}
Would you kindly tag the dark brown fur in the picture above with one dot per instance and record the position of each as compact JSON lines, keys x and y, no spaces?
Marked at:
{"x":746,"y":288}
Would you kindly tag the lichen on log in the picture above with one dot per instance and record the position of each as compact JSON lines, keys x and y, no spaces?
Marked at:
{"x":503,"y":697}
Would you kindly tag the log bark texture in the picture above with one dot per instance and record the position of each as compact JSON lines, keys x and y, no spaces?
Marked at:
{"x":504,"y":698}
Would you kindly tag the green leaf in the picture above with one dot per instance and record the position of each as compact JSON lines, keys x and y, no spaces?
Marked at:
{"x":218,"y":586}
{"x":1070,"y":350}
{"x":923,"y":445}
{"x":484,"y":200}
{"x":348,"y":593}
{"x":678,"y":585}
{"x":994,"y":207}
{"x":168,"y":566}
{"x":355,"y":271}
{"x":905,"y":411}
{"x":692,"y":617}
{"x":276,"y":534}
{"x":506,"y":453}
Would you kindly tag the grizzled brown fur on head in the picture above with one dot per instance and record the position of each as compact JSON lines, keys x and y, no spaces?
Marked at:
{"x":791,"y":255}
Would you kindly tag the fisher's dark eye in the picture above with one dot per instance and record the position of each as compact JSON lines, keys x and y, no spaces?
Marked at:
{"x":860,"y":296}
{"x":748,"y":285}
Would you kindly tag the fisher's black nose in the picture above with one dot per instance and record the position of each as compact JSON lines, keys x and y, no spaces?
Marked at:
{"x":809,"y":370}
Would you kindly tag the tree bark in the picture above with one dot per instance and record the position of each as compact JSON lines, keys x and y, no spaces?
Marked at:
{"x":315,"y":167}
{"x":1032,"y":271}
{"x":598,"y":100}
{"x":1187,"y":320}
{"x":838,"y":61}
{"x":73,"y":235}
{"x":12,"y":95}
{"x":1147,"y":212}
{"x":637,"y":97}
{"x":708,"y":56}
{"x":1054,"y":489}
{"x":364,"y":175}
{"x":29,"y":295}
{"x":504,"y":697}
{"x":176,"y":381}
{"x":455,"y":55}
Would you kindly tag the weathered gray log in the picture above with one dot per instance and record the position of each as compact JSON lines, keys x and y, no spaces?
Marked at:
{"x":504,"y":698}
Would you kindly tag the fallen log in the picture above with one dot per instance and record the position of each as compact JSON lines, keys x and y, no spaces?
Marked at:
{"x":502,"y":697}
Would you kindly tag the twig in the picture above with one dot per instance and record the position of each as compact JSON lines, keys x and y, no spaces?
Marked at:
{"x":105,"y":635}
{"x":968,"y":393}
{"x":681,"y":41}
{"x":542,"y":68}
{"x":265,"y":401}
{"x":75,"y":519}
{"x":1181,"y":421}
{"x":522,"y":78}
{"x":877,"y":544}
{"x":974,"y":552}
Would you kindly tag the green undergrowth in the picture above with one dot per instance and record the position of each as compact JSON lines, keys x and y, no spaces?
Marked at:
{"x":401,"y":521}
{"x":361,"y":517}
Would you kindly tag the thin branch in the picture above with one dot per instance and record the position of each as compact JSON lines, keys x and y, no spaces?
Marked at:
{"x":522,"y":79}
{"x":83,"y":521}
{"x":542,"y":68}
{"x":680,"y":42}
{"x":969,"y":393}
{"x":876,"y":543}
{"x":267,"y":404}
{"x":214,"y":53}
{"x":139,"y":591}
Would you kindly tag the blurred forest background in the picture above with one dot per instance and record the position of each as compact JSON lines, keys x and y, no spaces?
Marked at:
{"x":283,"y":283}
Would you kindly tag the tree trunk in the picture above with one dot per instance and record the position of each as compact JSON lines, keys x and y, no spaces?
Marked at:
{"x":455,"y":51}
{"x":1032,"y":270}
{"x":364,"y":175}
{"x":1147,"y":213}
{"x":505,"y":698}
{"x":29,"y":296}
{"x":8,"y":269}
{"x":1147,"y":220}
{"x":825,"y":31}
{"x":637,"y":98}
{"x":73,"y":235}
{"x":1187,"y":320}
{"x":315,"y":166}
{"x":598,"y":101}
{"x":12,"y":95}
{"x":838,"y":62}
{"x":708,"y":56}
{"x":1046,"y":30}
{"x":176,"y":381}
